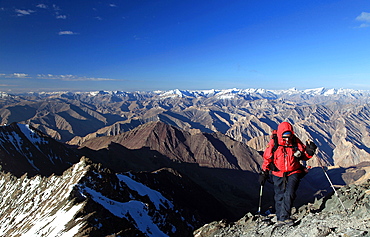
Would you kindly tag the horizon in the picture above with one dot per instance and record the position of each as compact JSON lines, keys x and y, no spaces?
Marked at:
{"x":251,"y":90}
{"x":192,"y":45}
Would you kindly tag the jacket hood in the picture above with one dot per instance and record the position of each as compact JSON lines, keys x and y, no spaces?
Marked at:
{"x":282,"y":128}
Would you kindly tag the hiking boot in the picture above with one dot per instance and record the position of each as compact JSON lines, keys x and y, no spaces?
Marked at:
{"x":288,"y":222}
{"x":279,"y":223}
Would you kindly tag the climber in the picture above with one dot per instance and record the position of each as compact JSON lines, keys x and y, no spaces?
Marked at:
{"x":282,"y":158}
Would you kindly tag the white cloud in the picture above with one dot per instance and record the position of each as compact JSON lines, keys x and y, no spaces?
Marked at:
{"x":56,"y":8}
{"x":42,"y":6}
{"x":67,"y":32}
{"x":112,"y":5}
{"x":23,"y":12}
{"x":364,"y":25}
{"x":67,"y":77}
{"x":20,"y":75}
{"x":61,"y":17}
{"x":72,"y":78}
{"x":364,"y":16}
{"x":15,"y":75}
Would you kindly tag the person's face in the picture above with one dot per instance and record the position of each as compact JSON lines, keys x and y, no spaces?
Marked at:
{"x":286,"y":137}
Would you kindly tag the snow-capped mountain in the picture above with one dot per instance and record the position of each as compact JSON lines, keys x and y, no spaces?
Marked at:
{"x":24,"y":149}
{"x":262,"y":93}
{"x":233,"y":93}
{"x":252,"y":93}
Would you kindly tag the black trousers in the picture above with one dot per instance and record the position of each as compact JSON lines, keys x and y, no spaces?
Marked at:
{"x":285,"y":193}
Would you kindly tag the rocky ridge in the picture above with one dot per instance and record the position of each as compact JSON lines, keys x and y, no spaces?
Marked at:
{"x":324,"y":217}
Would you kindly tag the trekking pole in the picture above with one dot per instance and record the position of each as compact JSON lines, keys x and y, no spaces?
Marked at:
{"x":331,"y":184}
{"x":260,"y":201}
{"x":259,"y":209}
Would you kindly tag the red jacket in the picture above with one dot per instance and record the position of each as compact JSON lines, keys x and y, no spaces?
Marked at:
{"x":283,"y":157}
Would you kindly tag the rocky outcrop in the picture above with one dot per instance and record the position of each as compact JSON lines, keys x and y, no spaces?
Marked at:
{"x":324,"y":217}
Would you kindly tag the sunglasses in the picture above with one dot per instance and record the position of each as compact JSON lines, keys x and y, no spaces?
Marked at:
{"x":287,"y":135}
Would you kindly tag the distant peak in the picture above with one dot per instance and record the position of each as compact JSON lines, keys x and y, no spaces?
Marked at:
{"x":224,"y":94}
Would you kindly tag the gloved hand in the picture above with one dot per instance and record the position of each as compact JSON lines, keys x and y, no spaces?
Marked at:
{"x":263,"y":176}
{"x":272,"y":167}
{"x":310,"y":147}
{"x":297,"y":154}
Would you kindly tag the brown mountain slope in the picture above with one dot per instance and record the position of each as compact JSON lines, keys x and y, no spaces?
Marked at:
{"x":208,"y":150}
{"x":224,"y":167}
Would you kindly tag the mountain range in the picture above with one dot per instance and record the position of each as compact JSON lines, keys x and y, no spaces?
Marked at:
{"x":337,"y":120}
{"x":164,"y":163}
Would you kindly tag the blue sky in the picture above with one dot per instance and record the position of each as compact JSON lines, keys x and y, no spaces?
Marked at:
{"x":146,"y":45}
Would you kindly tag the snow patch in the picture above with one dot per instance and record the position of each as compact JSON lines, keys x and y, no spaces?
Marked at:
{"x":136,"y":209}
{"x":156,"y":197}
{"x":36,"y":140}
{"x":30,"y":134}
{"x":55,"y":225}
